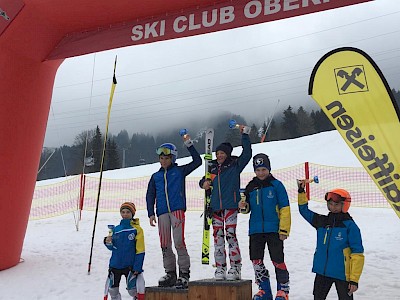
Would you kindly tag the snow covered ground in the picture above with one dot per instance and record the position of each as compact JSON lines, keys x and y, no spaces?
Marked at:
{"x":56,"y":255}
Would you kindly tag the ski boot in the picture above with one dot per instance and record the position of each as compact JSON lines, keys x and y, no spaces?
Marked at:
{"x":168,"y":280}
{"x":220,"y":273}
{"x":281,"y":295}
{"x":183,"y":280}
{"x":114,"y":293}
{"x":265,"y":292}
{"x":283,"y":291}
{"x":234,"y":273}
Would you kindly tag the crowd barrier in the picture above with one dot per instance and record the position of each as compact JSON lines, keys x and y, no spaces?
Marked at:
{"x":80,"y":192}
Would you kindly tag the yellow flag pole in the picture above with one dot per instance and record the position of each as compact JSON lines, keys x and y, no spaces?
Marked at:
{"x":114,"y":84}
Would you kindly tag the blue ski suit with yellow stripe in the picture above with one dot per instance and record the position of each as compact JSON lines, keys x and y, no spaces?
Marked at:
{"x":127,"y":246}
{"x":269,"y":205}
{"x":340,"y":252}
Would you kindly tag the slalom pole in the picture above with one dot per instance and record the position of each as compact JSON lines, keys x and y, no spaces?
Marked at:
{"x":54,"y":151}
{"x":269,"y":123}
{"x":102,"y":162}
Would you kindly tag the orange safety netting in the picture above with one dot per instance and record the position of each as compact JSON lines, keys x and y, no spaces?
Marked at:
{"x":64,"y":197}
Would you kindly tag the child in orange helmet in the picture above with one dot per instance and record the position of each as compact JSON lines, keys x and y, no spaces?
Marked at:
{"x":339,"y":255}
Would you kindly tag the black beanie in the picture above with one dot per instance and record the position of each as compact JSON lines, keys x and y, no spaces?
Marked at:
{"x":225,"y":147}
{"x":261,"y":160}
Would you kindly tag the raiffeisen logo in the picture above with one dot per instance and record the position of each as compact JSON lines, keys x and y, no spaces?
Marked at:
{"x":351,"y":79}
{"x":379,"y":165}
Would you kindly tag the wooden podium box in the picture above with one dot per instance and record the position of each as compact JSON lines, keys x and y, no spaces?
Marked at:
{"x":211,"y":289}
{"x":205,"y":289}
{"x":161,"y":293}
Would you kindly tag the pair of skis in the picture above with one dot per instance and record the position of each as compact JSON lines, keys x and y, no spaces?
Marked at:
{"x":207,"y":214}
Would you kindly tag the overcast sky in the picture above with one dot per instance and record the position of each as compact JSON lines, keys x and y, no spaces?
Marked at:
{"x":243,"y":71}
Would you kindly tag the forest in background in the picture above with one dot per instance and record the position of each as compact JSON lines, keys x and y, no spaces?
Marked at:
{"x":125,"y":150}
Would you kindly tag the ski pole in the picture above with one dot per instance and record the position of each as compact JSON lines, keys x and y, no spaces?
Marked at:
{"x":269,"y":123}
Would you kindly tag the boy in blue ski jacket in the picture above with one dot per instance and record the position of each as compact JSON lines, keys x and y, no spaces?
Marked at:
{"x":269,"y":223}
{"x":166,"y":190}
{"x":126,"y":241}
{"x":339,"y":256}
{"x":225,"y":195}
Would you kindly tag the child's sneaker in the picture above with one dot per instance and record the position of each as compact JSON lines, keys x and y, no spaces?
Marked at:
{"x":234,"y":273}
{"x":281,"y":295}
{"x":220,"y":273}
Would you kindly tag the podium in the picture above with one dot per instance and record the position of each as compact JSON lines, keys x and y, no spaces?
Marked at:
{"x":161,"y":293}
{"x":205,"y":289}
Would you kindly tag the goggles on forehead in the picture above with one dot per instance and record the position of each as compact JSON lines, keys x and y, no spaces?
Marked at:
{"x":334,"y":197}
{"x":165,"y":151}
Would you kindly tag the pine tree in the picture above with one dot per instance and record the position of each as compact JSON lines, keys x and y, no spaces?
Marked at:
{"x":97,"y":148}
{"x":275,"y":132}
{"x":321,"y":121}
{"x":290,"y":125}
{"x":305,"y":122}
{"x":254,"y":138}
{"x":112,"y":158}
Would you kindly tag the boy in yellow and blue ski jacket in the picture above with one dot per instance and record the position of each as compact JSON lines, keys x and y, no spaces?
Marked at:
{"x":339,"y":255}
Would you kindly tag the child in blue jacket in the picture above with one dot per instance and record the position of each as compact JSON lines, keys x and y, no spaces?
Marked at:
{"x":225,"y":196}
{"x":126,"y":241}
{"x":269,"y":223}
{"x":166,"y":191}
{"x":339,"y":256}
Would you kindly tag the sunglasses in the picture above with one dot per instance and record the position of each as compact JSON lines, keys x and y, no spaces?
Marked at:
{"x":334,"y":197}
{"x":165,"y":151}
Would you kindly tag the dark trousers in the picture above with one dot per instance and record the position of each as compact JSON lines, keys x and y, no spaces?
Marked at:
{"x":116,"y":274}
{"x":275,"y":249}
{"x":323,"y":284}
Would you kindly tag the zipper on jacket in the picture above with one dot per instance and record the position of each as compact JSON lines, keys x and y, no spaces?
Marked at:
{"x":219,"y":187}
{"x":166,"y":190}
{"x":259,"y":195}
{"x":329,"y":241}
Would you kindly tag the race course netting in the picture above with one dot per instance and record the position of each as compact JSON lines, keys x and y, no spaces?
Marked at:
{"x":65,"y":196}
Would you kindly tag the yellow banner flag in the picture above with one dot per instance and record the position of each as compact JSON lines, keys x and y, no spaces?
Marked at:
{"x":353,"y":93}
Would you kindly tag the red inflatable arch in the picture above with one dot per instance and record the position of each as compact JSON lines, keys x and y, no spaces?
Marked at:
{"x":37,"y":35}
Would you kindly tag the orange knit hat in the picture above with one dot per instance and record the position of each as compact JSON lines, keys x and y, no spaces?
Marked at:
{"x":129,"y":205}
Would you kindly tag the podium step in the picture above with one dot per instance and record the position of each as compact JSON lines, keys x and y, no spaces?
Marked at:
{"x":211,"y":289}
{"x":161,"y":293}
{"x":205,"y":289}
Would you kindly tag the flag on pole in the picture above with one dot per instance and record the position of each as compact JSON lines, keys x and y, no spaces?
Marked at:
{"x":114,"y":84}
{"x":353,"y":93}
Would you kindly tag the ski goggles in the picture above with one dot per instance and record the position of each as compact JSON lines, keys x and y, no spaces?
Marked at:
{"x":334,"y":197}
{"x":165,"y":151}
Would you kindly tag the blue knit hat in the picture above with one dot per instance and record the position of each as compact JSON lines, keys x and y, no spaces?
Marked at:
{"x":261,"y":160}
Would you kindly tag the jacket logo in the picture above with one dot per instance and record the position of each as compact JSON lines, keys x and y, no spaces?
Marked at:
{"x":351,"y":79}
{"x":270,"y":195}
{"x":131,"y":237}
{"x":339,"y":236}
